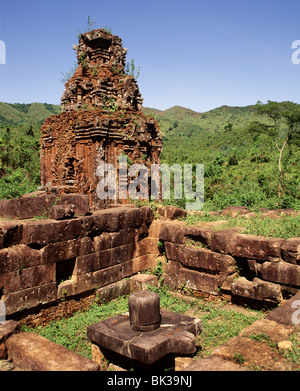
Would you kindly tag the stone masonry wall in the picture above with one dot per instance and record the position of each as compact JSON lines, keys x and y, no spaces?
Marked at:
{"x":243,"y":266}
{"x":45,"y":261}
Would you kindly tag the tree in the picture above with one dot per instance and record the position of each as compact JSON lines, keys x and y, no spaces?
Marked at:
{"x":286,"y":120}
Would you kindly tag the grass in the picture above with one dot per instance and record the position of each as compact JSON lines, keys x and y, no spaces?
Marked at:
{"x":219,"y":323}
{"x":260,"y":225}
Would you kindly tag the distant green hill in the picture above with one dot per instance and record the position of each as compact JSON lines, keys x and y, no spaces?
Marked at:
{"x":240,"y":156}
{"x":19,"y":113}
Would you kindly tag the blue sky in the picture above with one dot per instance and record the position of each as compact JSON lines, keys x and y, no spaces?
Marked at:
{"x":193,"y":53}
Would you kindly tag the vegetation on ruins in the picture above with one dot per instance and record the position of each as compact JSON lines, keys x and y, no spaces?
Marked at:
{"x":258,"y":224}
{"x":132,"y":70}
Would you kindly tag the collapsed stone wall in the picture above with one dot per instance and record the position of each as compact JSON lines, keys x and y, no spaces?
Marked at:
{"x":45,"y":261}
{"x":244,"y":266}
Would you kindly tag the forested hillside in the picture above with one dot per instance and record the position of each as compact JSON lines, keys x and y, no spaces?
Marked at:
{"x":20,"y":146}
{"x":238,"y":149}
{"x":236,"y":145}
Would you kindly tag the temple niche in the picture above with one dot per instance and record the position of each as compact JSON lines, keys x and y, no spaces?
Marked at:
{"x":101,"y":120}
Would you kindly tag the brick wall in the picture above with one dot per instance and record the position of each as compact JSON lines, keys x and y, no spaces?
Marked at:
{"x":243,"y":266}
{"x":45,"y":261}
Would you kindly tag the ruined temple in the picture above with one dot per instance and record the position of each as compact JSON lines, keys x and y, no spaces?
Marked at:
{"x":101,"y":120}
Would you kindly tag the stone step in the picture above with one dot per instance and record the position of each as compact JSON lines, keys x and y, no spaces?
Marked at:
{"x":32,"y":352}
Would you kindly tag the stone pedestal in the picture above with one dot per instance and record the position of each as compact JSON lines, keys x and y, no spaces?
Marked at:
{"x":170,"y":333}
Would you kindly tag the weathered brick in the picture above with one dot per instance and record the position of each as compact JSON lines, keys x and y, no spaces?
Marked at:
{"x":29,"y":298}
{"x":141,"y":282}
{"x":7,"y":329}
{"x":172,"y":233}
{"x":256,"y":289}
{"x":113,"y":291}
{"x":146,"y":246}
{"x":59,"y":251}
{"x":18,"y":257}
{"x":47,"y":231}
{"x":109,"y":240}
{"x":81,"y":202}
{"x":255,"y":247}
{"x":282,"y":272}
{"x":220,"y":240}
{"x":290,"y":250}
{"x":60,"y":212}
{"x":27,"y":278}
{"x":142,"y":263}
{"x":202,"y":282}
{"x":11,"y":233}
{"x":200,"y":258}
{"x":26,"y":207}
{"x":103,"y":259}
{"x":112,"y":274}
{"x":32,"y":352}
{"x":172,"y":268}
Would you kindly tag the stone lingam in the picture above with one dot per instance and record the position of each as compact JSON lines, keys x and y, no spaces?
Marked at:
{"x":146,"y":334}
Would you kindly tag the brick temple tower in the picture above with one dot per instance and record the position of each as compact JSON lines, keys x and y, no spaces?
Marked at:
{"x":101,"y":119}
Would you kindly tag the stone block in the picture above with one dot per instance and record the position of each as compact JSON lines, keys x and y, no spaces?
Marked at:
{"x":17,"y":258}
{"x":29,"y":298}
{"x":198,"y":234}
{"x":286,"y":313}
{"x":112,"y":274}
{"x":198,"y":281}
{"x":171,"y":212}
{"x":142,"y":263}
{"x":155,"y":228}
{"x":99,"y":358}
{"x":7,"y":329}
{"x":182,"y":362}
{"x":212,"y":364}
{"x":253,"y":353}
{"x":107,"y":240}
{"x":172,"y":268}
{"x":146,"y":246}
{"x":141,"y":282}
{"x":81,"y":202}
{"x":11,"y":233}
{"x":65,"y":289}
{"x":201,"y":258}
{"x":60,"y":251}
{"x":32,"y":352}
{"x":24,"y":278}
{"x":282,"y":272}
{"x":104,"y":259}
{"x":221,"y":238}
{"x":26,"y":207}
{"x":172,"y":233}
{"x":290,"y":250}
{"x":47,"y":231}
{"x":256,"y":289}
{"x":61,"y":212}
{"x":113,"y":291}
{"x":228,"y":281}
{"x":83,"y":283}
{"x":274,"y":331}
{"x":255,"y":247}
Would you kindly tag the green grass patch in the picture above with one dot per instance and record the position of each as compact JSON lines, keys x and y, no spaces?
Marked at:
{"x":260,"y":225}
